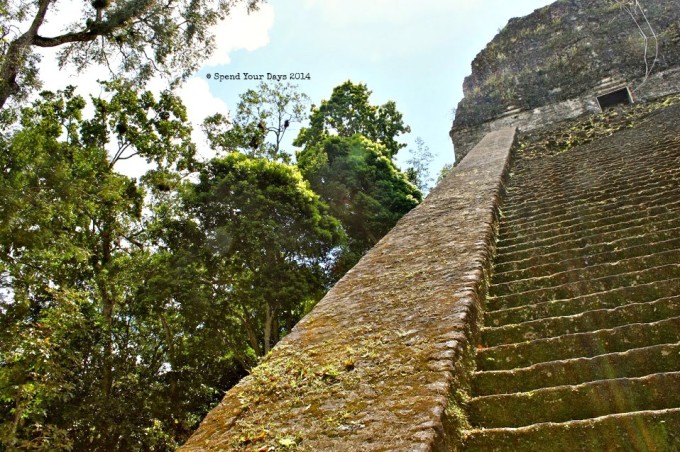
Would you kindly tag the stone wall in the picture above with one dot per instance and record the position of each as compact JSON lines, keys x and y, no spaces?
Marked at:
{"x":383,"y":361}
{"x":550,"y":65}
{"x":658,"y":85}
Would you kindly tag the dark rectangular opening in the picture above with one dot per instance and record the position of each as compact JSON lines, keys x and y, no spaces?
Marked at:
{"x":619,"y":97}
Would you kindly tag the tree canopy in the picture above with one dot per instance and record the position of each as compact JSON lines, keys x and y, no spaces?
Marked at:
{"x":363,"y":188}
{"x":127,"y":306}
{"x":267,"y":240}
{"x":76,"y":355}
{"x":137,"y":37}
{"x":269,"y":111}
{"x":349,"y":112}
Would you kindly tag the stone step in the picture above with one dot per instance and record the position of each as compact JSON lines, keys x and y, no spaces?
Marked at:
{"x":594,"y":241}
{"x":560,"y":182}
{"x":657,"y":430}
{"x":588,"y":271}
{"x":564,"y":214}
{"x":531,"y":181}
{"x":579,"y":345}
{"x":661,"y":289}
{"x":566,"y":180}
{"x":575,"y":225}
{"x":614,"y":255}
{"x":599,"y":319}
{"x":539,"y":176}
{"x":614,"y":191}
{"x":583,"y":401}
{"x":583,"y":287}
{"x":608,"y":227}
{"x":585,"y":157}
{"x":631,"y":363}
{"x":556,"y":257}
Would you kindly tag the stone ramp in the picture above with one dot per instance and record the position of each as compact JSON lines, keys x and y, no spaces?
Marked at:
{"x":580,"y":348}
{"x":381,"y":363}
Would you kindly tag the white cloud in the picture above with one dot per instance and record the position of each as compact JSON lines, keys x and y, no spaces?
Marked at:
{"x":201,"y":103}
{"x":241,"y":30}
{"x":54,"y":78}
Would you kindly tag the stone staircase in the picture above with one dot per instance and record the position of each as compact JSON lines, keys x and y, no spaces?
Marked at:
{"x":581,"y":340}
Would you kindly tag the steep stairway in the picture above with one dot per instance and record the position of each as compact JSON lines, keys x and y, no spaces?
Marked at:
{"x":580,"y":347}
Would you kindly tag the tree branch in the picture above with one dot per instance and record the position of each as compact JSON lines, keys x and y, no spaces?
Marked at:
{"x":39,"y":17}
{"x":80,"y":36}
{"x":114,"y":22}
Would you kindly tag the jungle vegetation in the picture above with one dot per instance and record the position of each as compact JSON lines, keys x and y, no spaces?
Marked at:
{"x":129,"y":305}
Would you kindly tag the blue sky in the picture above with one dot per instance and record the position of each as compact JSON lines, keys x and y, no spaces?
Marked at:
{"x":416,"y":53}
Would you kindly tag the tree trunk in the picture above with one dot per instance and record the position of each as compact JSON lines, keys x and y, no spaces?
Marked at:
{"x":169,"y":338}
{"x":252,"y":336}
{"x":108,"y":302}
{"x":16,"y":54}
{"x":271,"y":328}
{"x":14,"y":60}
{"x":18,"y":412}
{"x":268,"y":328}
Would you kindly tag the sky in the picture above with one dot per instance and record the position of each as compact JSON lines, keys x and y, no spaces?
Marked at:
{"x":414,"y":53}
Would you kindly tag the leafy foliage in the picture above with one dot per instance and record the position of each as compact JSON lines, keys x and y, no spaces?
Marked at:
{"x":127,"y":305}
{"x":363,"y":188}
{"x":271,"y":110}
{"x":347,"y":158}
{"x":349,"y":112}
{"x":138,"y":37}
{"x":88,"y":360}
{"x":266,"y":243}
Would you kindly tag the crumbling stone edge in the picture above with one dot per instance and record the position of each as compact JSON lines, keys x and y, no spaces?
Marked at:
{"x":454,"y":417}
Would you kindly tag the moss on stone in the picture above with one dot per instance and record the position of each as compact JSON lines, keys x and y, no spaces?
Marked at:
{"x":579,"y":345}
{"x":631,"y":363}
{"x":649,"y":431}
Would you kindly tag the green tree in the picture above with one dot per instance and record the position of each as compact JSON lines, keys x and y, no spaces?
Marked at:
{"x":349,"y":112}
{"x":146,"y":36}
{"x":263,"y":117}
{"x":363,"y":188}
{"x":267,"y":244}
{"x":89,"y":358}
{"x":418,"y":170}
{"x":445,"y":171}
